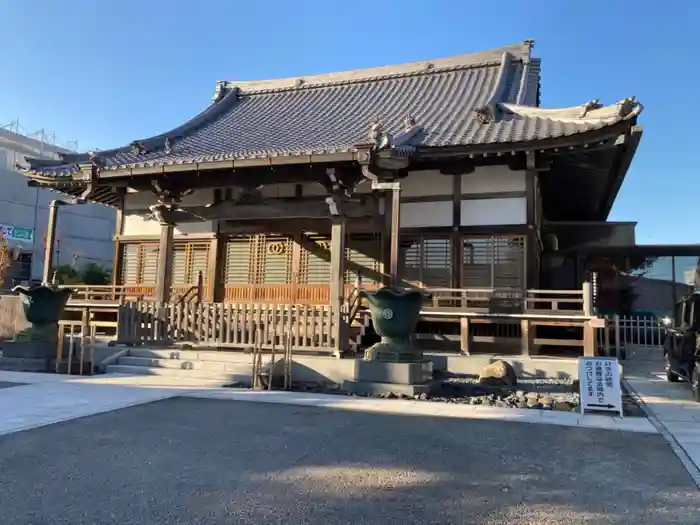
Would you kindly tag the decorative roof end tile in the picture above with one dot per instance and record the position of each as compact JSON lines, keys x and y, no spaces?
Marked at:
{"x":484,"y":114}
{"x":590,"y":106}
{"x":627,"y":106}
{"x":138,"y":148}
{"x":379,"y":138}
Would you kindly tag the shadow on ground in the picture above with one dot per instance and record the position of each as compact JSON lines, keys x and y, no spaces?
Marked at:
{"x":193,"y":461}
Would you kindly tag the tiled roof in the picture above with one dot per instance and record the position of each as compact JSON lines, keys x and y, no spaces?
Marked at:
{"x":475,"y":99}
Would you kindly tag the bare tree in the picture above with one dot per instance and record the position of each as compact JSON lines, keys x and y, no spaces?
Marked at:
{"x":6,"y":260}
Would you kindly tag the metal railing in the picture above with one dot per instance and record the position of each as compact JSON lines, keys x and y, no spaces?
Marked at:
{"x":623,"y":331}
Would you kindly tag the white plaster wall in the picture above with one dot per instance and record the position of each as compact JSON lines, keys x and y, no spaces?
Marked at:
{"x":486,"y":212}
{"x":493,"y":179}
{"x":426,"y":182}
{"x":136,"y":225}
{"x":480,"y":212}
{"x":426,"y":214}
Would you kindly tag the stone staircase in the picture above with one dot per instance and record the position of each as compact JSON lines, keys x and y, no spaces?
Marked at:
{"x":211,"y":365}
{"x":358,"y":329}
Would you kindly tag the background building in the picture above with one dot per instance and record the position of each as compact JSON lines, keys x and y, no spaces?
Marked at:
{"x":84,"y":233}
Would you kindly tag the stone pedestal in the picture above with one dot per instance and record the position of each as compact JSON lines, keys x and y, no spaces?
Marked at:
{"x":377,"y":377}
{"x":35,"y":328}
{"x":31,"y":350}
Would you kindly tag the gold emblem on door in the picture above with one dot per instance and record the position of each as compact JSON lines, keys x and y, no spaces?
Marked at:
{"x":276,"y":248}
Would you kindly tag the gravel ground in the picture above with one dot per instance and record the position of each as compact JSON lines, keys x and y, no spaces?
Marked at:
{"x":542,"y":394}
{"x":196,"y":461}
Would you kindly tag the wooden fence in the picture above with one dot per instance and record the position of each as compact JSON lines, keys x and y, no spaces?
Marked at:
{"x":310,"y":327}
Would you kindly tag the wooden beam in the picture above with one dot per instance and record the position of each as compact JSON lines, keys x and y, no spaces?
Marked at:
{"x":272,"y":209}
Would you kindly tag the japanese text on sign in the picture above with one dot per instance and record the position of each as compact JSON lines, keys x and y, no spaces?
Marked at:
{"x":599,"y":379}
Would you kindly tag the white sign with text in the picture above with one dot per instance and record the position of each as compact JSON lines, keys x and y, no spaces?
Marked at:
{"x":599,"y":383}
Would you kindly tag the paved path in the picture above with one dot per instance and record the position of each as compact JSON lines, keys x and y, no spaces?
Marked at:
{"x":671,"y":405}
{"x":44,"y":399}
{"x":186,"y":460}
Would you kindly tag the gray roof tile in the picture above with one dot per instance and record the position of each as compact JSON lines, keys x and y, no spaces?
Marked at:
{"x":333,"y":112}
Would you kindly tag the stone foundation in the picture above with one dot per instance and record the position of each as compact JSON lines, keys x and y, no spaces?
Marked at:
{"x":376,"y":377}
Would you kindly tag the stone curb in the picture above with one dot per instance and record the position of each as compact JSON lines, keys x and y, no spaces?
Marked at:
{"x":677,"y":448}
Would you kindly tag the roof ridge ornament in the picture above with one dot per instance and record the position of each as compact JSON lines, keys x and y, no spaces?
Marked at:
{"x":627,"y":106}
{"x":484,"y":114}
{"x":167,"y":146}
{"x":590,"y":106}
{"x":138,"y":148}
{"x":379,"y":138}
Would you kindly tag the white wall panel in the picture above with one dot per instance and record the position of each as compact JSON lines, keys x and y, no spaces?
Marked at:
{"x":488,"y":212}
{"x":493,"y":179}
{"x":426,"y":214}
{"x":137,"y":225}
{"x":426,"y":182}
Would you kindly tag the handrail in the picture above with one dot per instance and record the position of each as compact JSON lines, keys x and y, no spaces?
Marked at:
{"x":354,"y":299}
{"x":199,"y":288}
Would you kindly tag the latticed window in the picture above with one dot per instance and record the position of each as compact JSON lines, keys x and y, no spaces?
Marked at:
{"x":259,"y":259}
{"x":493,"y":262}
{"x":188,"y":260}
{"x":238,"y":259}
{"x":139,"y":264}
{"x":315,"y":261}
{"x":426,"y":260}
{"x":274,"y":260}
{"x":363,"y":253}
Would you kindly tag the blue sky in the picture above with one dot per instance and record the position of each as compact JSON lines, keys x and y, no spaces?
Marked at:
{"x":106,"y":72}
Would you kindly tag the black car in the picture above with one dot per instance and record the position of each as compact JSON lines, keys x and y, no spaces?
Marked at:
{"x":682,"y":344}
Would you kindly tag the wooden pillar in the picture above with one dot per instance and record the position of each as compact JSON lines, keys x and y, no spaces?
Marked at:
{"x":588,"y":339}
{"x":165,"y":263}
{"x":395,"y":231}
{"x":50,"y":240}
{"x":213,"y":270}
{"x":464,"y":336}
{"x":527,"y":337}
{"x":337,"y":284}
{"x":532,"y":249}
{"x":118,"y":232}
{"x":587,"y":299}
{"x":386,"y":240}
{"x":394,"y":211}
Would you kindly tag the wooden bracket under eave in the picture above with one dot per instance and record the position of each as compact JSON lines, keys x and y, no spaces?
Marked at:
{"x":537,"y":163}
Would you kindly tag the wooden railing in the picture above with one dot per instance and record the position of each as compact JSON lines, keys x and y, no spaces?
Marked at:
{"x":283,"y":293}
{"x":130,"y":292}
{"x":489,"y":300}
{"x":477,"y":300}
{"x":108,"y":293}
{"x":227,"y":324}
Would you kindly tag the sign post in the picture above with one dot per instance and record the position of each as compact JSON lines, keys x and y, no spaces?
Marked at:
{"x":599,"y":384}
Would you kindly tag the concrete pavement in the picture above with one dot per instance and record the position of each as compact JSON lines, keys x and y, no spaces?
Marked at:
{"x":670,"y":406}
{"x":44,"y":399}
{"x":187,"y":461}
